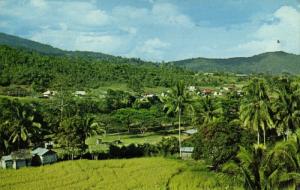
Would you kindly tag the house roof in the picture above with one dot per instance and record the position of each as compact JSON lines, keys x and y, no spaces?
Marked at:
{"x":40,"y":151}
{"x":191,"y":131}
{"x":6,"y":158}
{"x":80,"y":93}
{"x":187,"y":149}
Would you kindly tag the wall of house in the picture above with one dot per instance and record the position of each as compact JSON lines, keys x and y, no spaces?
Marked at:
{"x":6,"y":164}
{"x":49,"y":158}
{"x":19,"y":164}
{"x":186,"y":155}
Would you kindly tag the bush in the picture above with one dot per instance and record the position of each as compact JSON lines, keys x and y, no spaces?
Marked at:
{"x":219,"y":142}
{"x":168,"y":146}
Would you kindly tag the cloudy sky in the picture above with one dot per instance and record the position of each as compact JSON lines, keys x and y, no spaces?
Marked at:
{"x":158,"y":29}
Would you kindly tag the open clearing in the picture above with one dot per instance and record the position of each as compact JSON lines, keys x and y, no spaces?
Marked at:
{"x":140,"y":174}
{"x":126,"y":139}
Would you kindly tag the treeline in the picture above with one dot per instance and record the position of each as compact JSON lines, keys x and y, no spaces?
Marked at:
{"x":69,"y":121}
{"x":22,"y":67}
{"x":256,"y":136}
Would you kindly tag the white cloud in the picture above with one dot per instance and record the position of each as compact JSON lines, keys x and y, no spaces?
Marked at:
{"x":129,"y":12}
{"x":72,"y":40}
{"x":96,"y":17}
{"x":156,"y":31}
{"x":39,"y":4}
{"x":285,"y":28}
{"x":168,"y":14}
{"x":151,"y":49}
{"x":98,"y":43}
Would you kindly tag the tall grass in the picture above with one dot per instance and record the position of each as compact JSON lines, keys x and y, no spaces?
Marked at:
{"x":139,"y":174}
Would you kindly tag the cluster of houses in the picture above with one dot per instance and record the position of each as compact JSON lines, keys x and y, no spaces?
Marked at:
{"x":24,"y":158}
{"x":215,"y":92}
{"x":49,"y":93}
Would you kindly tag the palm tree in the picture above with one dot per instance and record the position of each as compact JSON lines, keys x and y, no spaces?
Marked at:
{"x":268,"y":170}
{"x":282,"y":166}
{"x":175,"y":101}
{"x":87,"y":128}
{"x":286,"y":107}
{"x":210,"y":109}
{"x":250,"y":166}
{"x":255,"y":110}
{"x":22,"y":123}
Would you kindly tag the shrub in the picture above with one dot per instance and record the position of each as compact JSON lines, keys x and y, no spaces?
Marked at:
{"x":168,"y":146}
{"x":219,"y":142}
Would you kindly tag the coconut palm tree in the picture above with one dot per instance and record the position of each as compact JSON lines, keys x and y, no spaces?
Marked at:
{"x":250,"y":166}
{"x":282,"y":166}
{"x":174,"y":102}
{"x":255,"y":109}
{"x":87,"y":127}
{"x":210,"y":109}
{"x":261,"y":169}
{"x":286,"y":107}
{"x":22,"y":123}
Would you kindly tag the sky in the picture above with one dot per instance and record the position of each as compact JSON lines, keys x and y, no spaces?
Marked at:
{"x":158,"y":30}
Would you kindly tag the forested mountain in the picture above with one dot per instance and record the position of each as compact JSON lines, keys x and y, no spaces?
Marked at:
{"x":23,"y":67}
{"x":271,"y":62}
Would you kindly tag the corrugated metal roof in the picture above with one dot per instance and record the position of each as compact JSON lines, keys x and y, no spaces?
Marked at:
{"x":6,"y":158}
{"x":191,"y":131}
{"x":187,"y":149}
{"x":40,"y":151}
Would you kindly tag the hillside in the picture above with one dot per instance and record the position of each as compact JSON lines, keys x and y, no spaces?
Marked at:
{"x":17,"y":42}
{"x":140,"y":173}
{"x":40,"y":71}
{"x":271,"y":62}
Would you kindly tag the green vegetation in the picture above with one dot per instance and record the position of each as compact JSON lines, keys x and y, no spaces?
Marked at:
{"x":271,"y":63}
{"x":95,"y":109}
{"x":142,"y":173}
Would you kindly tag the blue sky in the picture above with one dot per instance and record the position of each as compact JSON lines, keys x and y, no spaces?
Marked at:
{"x":158,"y":29}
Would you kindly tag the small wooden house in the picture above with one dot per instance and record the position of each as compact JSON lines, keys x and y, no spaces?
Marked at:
{"x":6,"y":162}
{"x":186,"y":152}
{"x":16,"y":160}
{"x":42,"y":156}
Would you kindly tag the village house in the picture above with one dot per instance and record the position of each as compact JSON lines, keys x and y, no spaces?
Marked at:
{"x":241,"y":75}
{"x":186,"y":152}
{"x":49,"y":93}
{"x":80,"y":93}
{"x":24,"y":158}
{"x":218,"y":93}
{"x":42,"y":156}
{"x":16,"y":160}
{"x":207,"y":91}
{"x":191,"y":131}
{"x":208,"y":74}
{"x":192,"y":88}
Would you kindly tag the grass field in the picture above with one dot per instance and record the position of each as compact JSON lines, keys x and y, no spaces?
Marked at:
{"x":131,"y":174}
{"x":126,"y":139}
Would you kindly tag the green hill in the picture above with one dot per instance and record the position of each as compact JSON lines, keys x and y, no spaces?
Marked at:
{"x":17,"y":42}
{"x":30,"y":68}
{"x":271,"y":62}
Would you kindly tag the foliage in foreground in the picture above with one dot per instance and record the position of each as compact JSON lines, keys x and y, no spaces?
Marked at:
{"x":274,"y":168}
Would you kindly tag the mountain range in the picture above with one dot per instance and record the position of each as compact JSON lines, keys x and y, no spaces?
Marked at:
{"x":270,"y":62}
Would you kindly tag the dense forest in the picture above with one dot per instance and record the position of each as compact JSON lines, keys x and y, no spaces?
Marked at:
{"x":21,"y":67}
{"x":271,"y":63}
